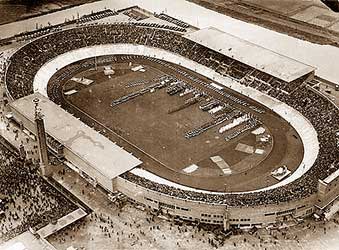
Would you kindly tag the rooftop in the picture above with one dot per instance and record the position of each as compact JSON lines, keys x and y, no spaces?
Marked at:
{"x":265,"y":60}
{"x":332,"y":177}
{"x":98,"y":151}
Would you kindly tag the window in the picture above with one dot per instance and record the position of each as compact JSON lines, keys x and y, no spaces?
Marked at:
{"x":309,"y":211}
{"x":245,"y":219}
{"x":286,"y":211}
{"x":161,"y":204}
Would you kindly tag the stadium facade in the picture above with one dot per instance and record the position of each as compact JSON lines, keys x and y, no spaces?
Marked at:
{"x":115,"y":169}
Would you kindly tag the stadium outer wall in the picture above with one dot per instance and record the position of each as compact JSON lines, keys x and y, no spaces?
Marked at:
{"x":202,"y":212}
{"x":185,"y":209}
{"x":246,"y":216}
{"x":258,"y":215}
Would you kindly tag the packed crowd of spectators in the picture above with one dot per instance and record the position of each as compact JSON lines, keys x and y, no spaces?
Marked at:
{"x":170,"y":19}
{"x":317,"y":109}
{"x":159,"y":26}
{"x":29,"y":200}
{"x":97,"y":16}
{"x":24,"y":65}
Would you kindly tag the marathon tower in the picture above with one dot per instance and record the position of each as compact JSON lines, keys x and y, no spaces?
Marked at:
{"x":45,"y":167}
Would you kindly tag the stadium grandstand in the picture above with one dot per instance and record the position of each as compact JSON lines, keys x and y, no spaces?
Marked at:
{"x":228,"y":59}
{"x":269,"y":62}
{"x":97,"y":156}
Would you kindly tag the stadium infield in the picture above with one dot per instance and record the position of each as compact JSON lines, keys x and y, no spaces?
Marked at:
{"x":144,"y":127}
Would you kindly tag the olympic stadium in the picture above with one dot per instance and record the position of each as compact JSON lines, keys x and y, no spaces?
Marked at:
{"x":194,"y":123}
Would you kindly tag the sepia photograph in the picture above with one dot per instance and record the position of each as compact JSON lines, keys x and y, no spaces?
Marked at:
{"x":169,"y":124}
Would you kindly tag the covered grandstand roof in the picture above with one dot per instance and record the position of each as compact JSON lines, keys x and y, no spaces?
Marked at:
{"x":265,"y":60}
{"x":95,"y":149}
{"x":332,"y":177}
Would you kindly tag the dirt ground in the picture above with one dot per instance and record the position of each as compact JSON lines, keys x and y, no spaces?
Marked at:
{"x":134,"y":229}
{"x":130,"y":227}
{"x":144,"y":121}
{"x":159,"y":136}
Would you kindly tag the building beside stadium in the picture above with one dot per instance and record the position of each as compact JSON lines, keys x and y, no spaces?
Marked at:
{"x":92,"y":153}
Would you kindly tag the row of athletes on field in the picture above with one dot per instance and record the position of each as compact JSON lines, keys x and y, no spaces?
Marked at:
{"x":221,"y":110}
